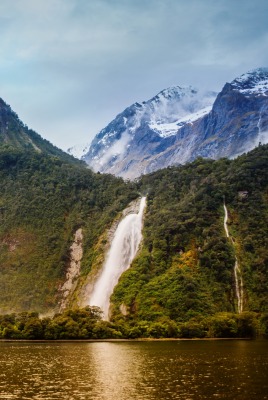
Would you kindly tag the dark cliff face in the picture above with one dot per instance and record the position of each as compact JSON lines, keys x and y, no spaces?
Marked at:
{"x":132,"y":145}
{"x":234,"y":124}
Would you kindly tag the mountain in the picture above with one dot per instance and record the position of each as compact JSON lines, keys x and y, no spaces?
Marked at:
{"x":58,"y":219}
{"x":48,"y":208}
{"x":180,"y":124}
{"x":48,"y":201}
{"x":57,"y":222}
{"x":15,"y":134}
{"x":141,"y":131}
{"x":186,"y":270}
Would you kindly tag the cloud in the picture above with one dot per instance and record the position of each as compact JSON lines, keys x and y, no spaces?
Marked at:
{"x":69,"y":65}
{"x":116,"y":150}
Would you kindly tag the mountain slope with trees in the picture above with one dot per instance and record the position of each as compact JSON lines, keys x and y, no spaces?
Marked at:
{"x":182,"y":281}
{"x":43,"y":201}
{"x":181,"y":284}
{"x":185,"y":270}
{"x":15,"y":134}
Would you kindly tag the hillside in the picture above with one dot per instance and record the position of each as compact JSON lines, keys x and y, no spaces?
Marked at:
{"x":182,"y":282}
{"x":58,"y":218}
{"x":44,"y":201}
{"x":53,"y":210}
{"x":185,"y":270}
{"x":15,"y":134}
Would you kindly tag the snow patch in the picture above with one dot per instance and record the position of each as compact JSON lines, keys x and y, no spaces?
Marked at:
{"x":79,"y":150}
{"x":253,"y":82}
{"x":170,"y":129}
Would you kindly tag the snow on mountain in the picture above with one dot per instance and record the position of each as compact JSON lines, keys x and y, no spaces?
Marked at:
{"x":163,"y":115}
{"x":169,"y":129}
{"x":176,"y":106}
{"x":79,"y":150}
{"x":253,"y":82}
{"x":180,"y":124}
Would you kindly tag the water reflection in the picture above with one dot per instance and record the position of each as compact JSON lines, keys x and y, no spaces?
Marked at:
{"x":135,"y":370}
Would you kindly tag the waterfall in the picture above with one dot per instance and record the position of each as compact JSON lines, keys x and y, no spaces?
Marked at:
{"x":262,"y":134}
{"x":259,"y":123}
{"x":123,"y":249}
{"x":239,"y":286}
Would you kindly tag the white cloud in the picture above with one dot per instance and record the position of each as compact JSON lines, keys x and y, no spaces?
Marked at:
{"x":74,"y":64}
{"x":116,"y":150}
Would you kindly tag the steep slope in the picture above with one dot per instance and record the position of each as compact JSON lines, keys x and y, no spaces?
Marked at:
{"x":179,"y":125}
{"x":54,"y":219}
{"x":185,"y":271}
{"x":46,"y":207}
{"x":144,"y":130}
{"x":15,"y":134}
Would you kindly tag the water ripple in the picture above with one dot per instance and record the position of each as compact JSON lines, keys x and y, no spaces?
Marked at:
{"x":134,"y":370}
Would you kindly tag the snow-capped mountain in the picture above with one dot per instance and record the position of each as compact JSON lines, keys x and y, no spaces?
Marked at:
{"x":180,"y":124}
{"x":148,"y":124}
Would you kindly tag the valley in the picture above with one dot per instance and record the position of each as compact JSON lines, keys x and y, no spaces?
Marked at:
{"x":77,"y":258}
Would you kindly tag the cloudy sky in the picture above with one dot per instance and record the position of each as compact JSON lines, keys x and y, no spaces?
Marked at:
{"x":69,"y":66}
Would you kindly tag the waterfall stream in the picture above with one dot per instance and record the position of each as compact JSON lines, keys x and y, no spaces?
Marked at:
{"x":262,"y":133}
{"x":239,"y":287}
{"x":123,"y":249}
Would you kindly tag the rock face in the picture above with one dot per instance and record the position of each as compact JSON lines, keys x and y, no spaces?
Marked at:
{"x":181,"y":124}
{"x":73,"y":271}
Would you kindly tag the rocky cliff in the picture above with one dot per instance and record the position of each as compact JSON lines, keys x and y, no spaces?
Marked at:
{"x":180,"y":124}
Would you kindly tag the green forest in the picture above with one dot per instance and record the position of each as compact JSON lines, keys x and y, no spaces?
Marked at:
{"x":43,"y":200}
{"x":181,"y":283}
{"x":184,"y":273}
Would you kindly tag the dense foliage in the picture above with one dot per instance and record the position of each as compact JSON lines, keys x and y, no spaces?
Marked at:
{"x":15,"y":134}
{"x":86,"y":323}
{"x":185,"y":270}
{"x":181,"y":284}
{"x":43,"y":200}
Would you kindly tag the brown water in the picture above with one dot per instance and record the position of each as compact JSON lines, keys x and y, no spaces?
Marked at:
{"x":185,"y":370}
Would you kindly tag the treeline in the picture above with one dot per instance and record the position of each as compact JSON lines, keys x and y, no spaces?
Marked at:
{"x":86,"y":323}
{"x":182,"y":281}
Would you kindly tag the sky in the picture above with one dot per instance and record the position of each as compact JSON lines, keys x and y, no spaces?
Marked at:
{"x":68,"y":67}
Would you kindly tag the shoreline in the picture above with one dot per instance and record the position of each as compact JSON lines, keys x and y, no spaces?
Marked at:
{"x":122,"y":340}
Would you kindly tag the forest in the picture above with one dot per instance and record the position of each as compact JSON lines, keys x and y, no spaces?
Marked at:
{"x":184,"y":272}
{"x":181,"y":284}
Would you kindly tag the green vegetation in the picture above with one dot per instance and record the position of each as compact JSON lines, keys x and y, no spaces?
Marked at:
{"x":184,"y":274}
{"x":16,"y":135}
{"x":43,"y":200}
{"x":181,"y":284}
{"x":86,"y":323}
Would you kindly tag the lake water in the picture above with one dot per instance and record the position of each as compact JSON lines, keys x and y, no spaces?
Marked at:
{"x":185,"y":370}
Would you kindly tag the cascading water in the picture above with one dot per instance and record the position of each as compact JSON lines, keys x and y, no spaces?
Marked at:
{"x":123,"y":249}
{"x":259,"y":124}
{"x":239,"y":287}
{"x":262,"y":134}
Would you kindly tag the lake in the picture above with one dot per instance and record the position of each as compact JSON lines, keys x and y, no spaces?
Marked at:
{"x":157,"y":370}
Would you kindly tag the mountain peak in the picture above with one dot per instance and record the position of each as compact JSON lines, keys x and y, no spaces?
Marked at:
{"x":254,"y":81}
{"x":176,"y":92}
{"x":180,"y":124}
